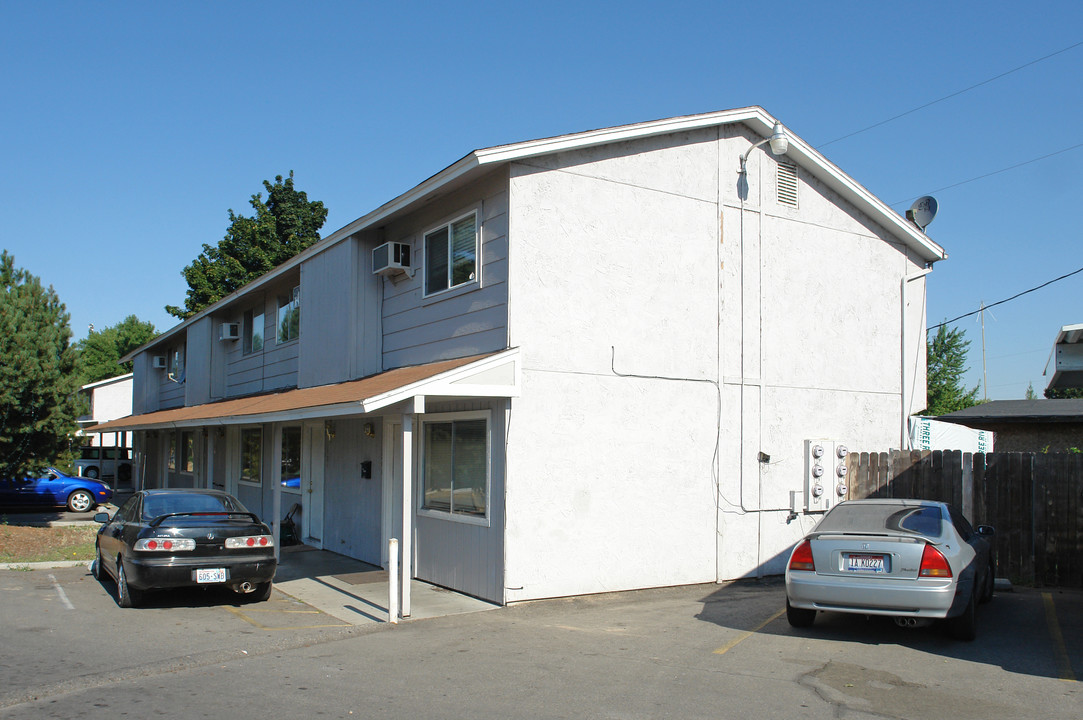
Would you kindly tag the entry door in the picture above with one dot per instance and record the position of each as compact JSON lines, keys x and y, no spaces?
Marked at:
{"x":312,"y":484}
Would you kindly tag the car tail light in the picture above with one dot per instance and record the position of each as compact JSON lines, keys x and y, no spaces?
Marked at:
{"x":934,"y":564}
{"x":250,"y":541}
{"x":802,"y":557}
{"x":164,"y":544}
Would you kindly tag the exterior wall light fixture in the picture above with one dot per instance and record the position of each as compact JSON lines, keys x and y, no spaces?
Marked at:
{"x":780,"y":143}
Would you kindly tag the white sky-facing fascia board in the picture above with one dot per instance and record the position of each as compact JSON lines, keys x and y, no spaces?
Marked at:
{"x":456,"y":383}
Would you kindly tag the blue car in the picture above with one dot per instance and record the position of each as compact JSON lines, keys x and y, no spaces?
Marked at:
{"x":54,"y":489}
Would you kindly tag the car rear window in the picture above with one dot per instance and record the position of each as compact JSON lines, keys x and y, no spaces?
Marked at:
{"x":877,"y":518}
{"x":167,"y":503}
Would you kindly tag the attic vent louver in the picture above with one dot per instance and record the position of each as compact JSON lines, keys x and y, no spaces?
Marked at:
{"x":786,"y":185}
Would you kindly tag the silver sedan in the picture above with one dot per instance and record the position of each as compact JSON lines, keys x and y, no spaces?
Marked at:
{"x":914,"y":560}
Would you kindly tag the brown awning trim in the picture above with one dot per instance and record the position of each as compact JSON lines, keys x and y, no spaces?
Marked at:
{"x":347,"y":398}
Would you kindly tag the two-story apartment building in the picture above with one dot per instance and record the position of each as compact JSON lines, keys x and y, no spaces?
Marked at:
{"x":599,"y":372}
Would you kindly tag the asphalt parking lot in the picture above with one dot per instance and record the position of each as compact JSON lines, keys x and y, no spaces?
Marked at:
{"x":699,"y":651}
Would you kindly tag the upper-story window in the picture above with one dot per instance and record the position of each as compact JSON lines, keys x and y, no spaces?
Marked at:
{"x":253,"y":331}
{"x":289,"y":316}
{"x":176,"y":363}
{"x":451,"y":254}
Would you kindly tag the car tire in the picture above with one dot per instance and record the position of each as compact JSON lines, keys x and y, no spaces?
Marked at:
{"x":262,"y":593}
{"x":96,"y":566}
{"x":126,"y":596}
{"x":81,"y":501}
{"x":799,"y":617}
{"x":965,"y":626}
{"x":92,"y":473}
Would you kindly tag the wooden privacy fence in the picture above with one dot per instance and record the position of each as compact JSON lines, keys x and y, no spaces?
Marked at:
{"x":1034,"y":500}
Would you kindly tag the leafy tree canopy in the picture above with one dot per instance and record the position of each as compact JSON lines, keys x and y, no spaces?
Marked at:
{"x":39,"y":402}
{"x":100,"y":352}
{"x":946,"y":355}
{"x":1063,"y":393}
{"x":280,"y":228}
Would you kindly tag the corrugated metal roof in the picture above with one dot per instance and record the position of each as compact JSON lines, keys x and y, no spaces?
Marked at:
{"x":353,"y":392}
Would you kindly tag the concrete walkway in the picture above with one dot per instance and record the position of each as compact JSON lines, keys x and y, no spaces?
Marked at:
{"x":356,"y":592}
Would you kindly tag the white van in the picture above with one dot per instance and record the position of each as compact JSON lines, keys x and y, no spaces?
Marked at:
{"x":105,"y":462}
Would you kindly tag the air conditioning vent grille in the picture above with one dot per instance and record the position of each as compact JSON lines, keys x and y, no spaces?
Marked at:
{"x":786,"y":184}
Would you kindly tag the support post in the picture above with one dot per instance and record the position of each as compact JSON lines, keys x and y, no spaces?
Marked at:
{"x":275,"y":477}
{"x":393,"y":581}
{"x":407,"y":509}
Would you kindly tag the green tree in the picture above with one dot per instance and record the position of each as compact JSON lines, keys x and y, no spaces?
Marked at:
{"x":280,"y":228}
{"x":39,"y":402}
{"x":100,"y":352}
{"x":1031,"y":395}
{"x":946,"y":356}
{"x":1064,"y":393}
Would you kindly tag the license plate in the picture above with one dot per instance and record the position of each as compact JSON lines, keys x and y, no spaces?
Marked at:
{"x":865,"y":563}
{"x":211,"y":575}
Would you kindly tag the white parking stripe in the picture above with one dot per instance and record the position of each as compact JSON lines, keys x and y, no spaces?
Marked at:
{"x":61,"y":593}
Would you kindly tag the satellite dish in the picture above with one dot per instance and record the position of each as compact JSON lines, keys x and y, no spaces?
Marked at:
{"x":922,"y":212}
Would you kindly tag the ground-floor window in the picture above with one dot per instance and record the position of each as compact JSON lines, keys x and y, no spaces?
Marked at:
{"x":455,"y":464}
{"x":251,"y":454}
{"x":291,"y":458}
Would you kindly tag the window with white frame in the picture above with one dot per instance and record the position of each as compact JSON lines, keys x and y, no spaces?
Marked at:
{"x":188,"y":452}
{"x":253,"y":331}
{"x":289,"y":316}
{"x":451,"y":254}
{"x":455,"y":464}
{"x":176,"y":363}
{"x":251,"y":454}
{"x":291,"y":459}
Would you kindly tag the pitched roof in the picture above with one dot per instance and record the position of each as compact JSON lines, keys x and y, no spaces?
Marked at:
{"x":482,"y":161}
{"x":1028,"y":411}
{"x":458,"y":377}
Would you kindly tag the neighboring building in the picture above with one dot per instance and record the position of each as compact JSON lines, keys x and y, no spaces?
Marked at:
{"x":1067,"y":359}
{"x":599,"y":371}
{"x":107,"y":399}
{"x":1027,"y":425}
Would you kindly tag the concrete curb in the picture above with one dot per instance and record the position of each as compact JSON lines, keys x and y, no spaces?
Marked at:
{"x":45,"y":565}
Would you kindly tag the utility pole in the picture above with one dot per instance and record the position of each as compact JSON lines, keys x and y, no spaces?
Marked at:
{"x":984,"y":376}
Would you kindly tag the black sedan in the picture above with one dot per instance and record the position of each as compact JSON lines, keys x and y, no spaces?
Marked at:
{"x":163,"y":539}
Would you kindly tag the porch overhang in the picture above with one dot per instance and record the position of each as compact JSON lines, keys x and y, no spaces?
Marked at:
{"x":491,"y":375}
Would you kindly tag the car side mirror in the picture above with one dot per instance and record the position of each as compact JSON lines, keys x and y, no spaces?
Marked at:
{"x":102,"y":518}
{"x":986,"y":530}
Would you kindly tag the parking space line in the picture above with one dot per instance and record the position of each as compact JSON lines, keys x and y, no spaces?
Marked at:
{"x":748,"y":633}
{"x":1060,"y":652}
{"x":60,"y":591}
{"x":261,"y":626}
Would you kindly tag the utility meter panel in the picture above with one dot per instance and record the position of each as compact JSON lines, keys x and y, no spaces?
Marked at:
{"x":825,"y":474}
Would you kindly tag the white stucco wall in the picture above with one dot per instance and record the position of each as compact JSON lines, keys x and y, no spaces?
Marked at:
{"x":112,"y":400}
{"x":663,"y":320}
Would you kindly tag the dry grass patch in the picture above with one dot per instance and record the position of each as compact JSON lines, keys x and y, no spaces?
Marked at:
{"x":20,"y":544}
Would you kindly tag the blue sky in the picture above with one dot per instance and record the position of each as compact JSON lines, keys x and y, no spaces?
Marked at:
{"x":127,"y":130}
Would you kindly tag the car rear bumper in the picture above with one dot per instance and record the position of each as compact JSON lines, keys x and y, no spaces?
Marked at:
{"x":170,"y":572}
{"x":871,"y":596}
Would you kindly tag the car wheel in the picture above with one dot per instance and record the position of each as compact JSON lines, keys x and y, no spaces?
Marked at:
{"x":965,"y":627}
{"x":92,"y":473}
{"x":262,"y":593}
{"x":126,"y":596}
{"x":96,"y":566}
{"x":80,"y":501}
{"x":799,"y":617}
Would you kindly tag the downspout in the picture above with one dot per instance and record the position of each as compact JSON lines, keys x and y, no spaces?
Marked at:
{"x":904,"y":411}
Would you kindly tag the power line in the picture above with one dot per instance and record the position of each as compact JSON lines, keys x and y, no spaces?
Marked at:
{"x":954,"y":94}
{"x":990,"y":174}
{"x":1001,"y":302}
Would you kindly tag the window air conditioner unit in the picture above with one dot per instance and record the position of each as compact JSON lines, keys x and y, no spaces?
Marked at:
{"x":158,"y":362}
{"x":229,"y":331}
{"x":391,"y":258}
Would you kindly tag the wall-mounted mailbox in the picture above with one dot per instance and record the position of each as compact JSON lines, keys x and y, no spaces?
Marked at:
{"x":366,"y":469}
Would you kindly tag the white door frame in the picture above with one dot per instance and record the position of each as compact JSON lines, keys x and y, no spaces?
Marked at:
{"x":312,"y":485}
